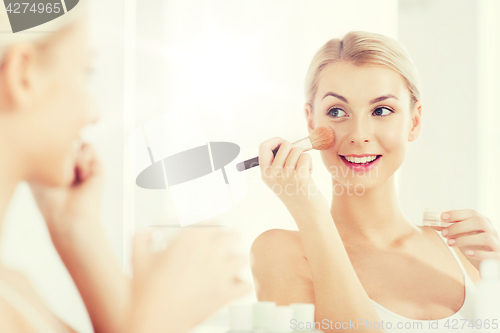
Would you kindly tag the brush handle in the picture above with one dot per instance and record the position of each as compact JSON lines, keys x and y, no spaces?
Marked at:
{"x":253,"y":162}
{"x":305,"y":144}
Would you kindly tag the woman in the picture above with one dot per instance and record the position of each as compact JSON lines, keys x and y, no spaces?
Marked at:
{"x":43,"y":107}
{"x":360,"y":258}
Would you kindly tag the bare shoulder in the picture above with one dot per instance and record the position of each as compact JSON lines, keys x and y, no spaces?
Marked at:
{"x":280,"y":269}
{"x":11,"y":320}
{"x":277,"y":245}
{"x":277,"y":238}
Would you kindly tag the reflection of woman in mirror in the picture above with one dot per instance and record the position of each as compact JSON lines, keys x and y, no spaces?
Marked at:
{"x":44,"y":105}
{"x":360,"y":257}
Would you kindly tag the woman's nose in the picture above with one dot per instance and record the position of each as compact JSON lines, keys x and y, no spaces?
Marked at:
{"x":360,"y":131}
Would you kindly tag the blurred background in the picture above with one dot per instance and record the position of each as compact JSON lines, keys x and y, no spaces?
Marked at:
{"x":239,"y":67}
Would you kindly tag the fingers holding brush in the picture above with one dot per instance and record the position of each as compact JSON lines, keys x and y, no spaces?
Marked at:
{"x":266,"y":155}
{"x":292,"y":161}
{"x":321,"y":138}
{"x":281,"y":159}
{"x":283,"y":169}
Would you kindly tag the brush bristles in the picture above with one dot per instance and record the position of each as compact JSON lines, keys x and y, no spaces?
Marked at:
{"x":322,"y":138}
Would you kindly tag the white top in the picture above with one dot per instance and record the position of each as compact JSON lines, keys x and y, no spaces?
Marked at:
{"x":458,"y":322}
{"x":25,"y":309}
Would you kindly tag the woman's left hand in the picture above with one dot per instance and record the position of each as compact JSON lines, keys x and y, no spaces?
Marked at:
{"x":77,"y":203}
{"x":473,"y":234}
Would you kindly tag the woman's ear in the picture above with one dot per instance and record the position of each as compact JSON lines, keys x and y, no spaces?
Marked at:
{"x":309,"y":117}
{"x":18,"y":72}
{"x":416,"y":121}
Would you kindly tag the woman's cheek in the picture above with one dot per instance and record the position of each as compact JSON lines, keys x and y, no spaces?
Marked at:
{"x":84,"y":111}
{"x":393,"y":144}
{"x":392,"y":136}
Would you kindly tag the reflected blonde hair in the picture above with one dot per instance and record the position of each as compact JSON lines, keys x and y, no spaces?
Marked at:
{"x":363,"y":48}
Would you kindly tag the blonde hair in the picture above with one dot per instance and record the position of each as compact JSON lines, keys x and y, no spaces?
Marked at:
{"x":363,"y":48}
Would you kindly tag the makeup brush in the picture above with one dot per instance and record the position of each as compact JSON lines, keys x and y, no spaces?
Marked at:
{"x":321,"y":138}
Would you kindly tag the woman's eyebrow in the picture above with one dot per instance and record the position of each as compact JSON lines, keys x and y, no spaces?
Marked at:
{"x":343,"y":99}
{"x":373,"y":101}
{"x":381,"y":98}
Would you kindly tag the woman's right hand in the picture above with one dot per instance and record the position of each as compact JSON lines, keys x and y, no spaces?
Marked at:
{"x":177,"y":288}
{"x":289,"y":174}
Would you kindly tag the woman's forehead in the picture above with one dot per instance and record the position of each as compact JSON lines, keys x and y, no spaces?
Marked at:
{"x":360,"y":83}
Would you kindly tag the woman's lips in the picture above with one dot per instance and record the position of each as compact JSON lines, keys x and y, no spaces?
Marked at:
{"x":361,"y":167}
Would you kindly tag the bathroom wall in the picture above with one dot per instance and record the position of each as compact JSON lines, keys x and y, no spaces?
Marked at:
{"x":454,"y":163}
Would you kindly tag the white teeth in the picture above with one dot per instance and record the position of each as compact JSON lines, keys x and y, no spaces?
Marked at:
{"x":360,"y":160}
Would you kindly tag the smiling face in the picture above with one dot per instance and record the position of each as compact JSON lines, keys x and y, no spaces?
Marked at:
{"x":368,"y":108}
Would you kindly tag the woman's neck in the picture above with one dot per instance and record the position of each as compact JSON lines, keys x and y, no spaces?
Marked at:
{"x":371,"y":218}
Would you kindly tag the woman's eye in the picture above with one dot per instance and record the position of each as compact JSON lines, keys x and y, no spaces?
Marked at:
{"x":335,"y":112}
{"x":380,"y":112}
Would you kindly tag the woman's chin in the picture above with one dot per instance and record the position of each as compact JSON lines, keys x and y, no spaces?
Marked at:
{"x":356,"y":185}
{"x":58,"y":175}
{"x":52,"y":181}
{"x":63,"y":179}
